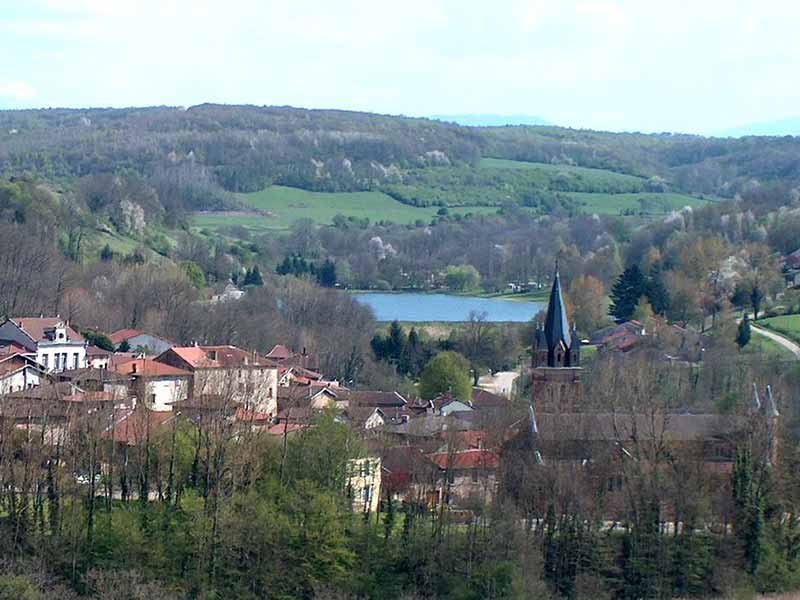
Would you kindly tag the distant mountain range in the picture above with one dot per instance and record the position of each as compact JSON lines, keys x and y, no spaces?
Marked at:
{"x":491,"y":120}
{"x":779,"y":127}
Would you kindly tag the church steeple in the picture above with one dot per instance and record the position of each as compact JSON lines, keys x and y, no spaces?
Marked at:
{"x":555,"y":377}
{"x":556,"y":327}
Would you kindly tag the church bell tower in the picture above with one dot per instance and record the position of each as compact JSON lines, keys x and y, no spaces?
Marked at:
{"x":556,"y":373}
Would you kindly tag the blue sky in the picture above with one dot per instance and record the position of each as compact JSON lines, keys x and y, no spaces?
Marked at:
{"x":666,"y":65}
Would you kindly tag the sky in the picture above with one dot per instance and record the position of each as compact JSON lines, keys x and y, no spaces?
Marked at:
{"x":696,"y":66}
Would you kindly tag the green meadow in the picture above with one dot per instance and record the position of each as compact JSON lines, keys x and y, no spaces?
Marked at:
{"x":788,"y":325}
{"x":278,"y":207}
{"x":641,"y":203}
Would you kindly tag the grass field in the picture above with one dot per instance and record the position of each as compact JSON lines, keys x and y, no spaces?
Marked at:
{"x":280,"y":206}
{"x":647,"y":203}
{"x":788,"y":325}
{"x":763,"y":346}
{"x":597,"y":177}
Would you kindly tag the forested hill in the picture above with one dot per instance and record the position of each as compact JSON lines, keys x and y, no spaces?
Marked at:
{"x":194,"y":156}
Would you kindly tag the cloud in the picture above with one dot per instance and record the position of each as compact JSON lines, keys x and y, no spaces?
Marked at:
{"x":609,"y":12}
{"x":18,"y":90}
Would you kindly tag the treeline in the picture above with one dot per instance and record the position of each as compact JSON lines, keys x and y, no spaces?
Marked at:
{"x":192,"y":157}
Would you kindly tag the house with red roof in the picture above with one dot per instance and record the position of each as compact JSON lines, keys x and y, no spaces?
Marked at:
{"x":55,"y":345}
{"x":155,"y":384}
{"x":19,"y":372}
{"x":140,"y":341}
{"x":226,"y":375}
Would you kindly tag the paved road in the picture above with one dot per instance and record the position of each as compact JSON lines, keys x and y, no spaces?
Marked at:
{"x":776,"y":337}
{"x":500,"y":383}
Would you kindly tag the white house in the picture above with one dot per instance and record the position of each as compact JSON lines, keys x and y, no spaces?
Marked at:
{"x":19,"y":372}
{"x":227,"y":372}
{"x":157,"y":385}
{"x":55,"y":344}
{"x":364,"y":483}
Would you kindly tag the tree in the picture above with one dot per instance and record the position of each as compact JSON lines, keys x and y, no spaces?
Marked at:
{"x":447,"y":372}
{"x":326,"y":275}
{"x":253,"y":277}
{"x":106,"y":254}
{"x":101,"y":340}
{"x":626,"y":293}
{"x":656,"y":292}
{"x":643,"y":310}
{"x":194,"y":273}
{"x":462,"y":278}
{"x":124,"y":346}
{"x":743,"y":333}
{"x":588,"y":298}
{"x":756,"y":298}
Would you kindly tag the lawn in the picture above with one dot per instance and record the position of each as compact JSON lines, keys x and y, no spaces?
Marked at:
{"x":788,"y":325}
{"x":277,"y":207}
{"x":763,"y":346}
{"x":641,"y":203}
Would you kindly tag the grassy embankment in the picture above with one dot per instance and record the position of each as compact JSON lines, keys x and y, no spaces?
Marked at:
{"x":786,"y":325}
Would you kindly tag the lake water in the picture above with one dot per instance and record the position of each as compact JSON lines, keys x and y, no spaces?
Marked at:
{"x":445,"y":307}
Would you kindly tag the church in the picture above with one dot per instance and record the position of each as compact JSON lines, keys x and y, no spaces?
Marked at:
{"x":567,"y":443}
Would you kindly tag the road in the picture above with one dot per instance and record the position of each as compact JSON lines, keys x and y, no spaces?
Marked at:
{"x":500,"y":383}
{"x":776,"y":337}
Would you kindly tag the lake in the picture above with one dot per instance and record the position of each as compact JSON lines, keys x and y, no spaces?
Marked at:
{"x":445,"y":307}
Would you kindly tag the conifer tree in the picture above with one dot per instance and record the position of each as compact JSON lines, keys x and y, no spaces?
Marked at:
{"x":743,"y":333}
{"x":626,"y":293}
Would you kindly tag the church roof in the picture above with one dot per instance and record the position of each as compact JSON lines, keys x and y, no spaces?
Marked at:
{"x":556,"y":327}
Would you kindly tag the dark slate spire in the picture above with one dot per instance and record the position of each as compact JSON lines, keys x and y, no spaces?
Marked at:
{"x":556,"y":328}
{"x":541,"y":342}
{"x":576,"y":340}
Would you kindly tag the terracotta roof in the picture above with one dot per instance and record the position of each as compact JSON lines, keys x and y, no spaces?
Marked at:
{"x":89,"y":397}
{"x":282,"y":428}
{"x":211,"y":357}
{"x":13,"y":348}
{"x":96,"y":351}
{"x":124,"y":334}
{"x":54,"y":391}
{"x":36,"y":326}
{"x":131,"y":428}
{"x":468,"y":459}
{"x":279,"y":352}
{"x":78,"y":376}
{"x":148,"y":367}
{"x":243,"y":414}
{"x":10,"y":363}
{"x":483,"y":399}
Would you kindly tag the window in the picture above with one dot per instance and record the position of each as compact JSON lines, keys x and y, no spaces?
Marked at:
{"x":367,"y":493}
{"x":474,"y":475}
{"x":152,"y":399}
{"x":63,"y":361}
{"x":45,"y":360}
{"x":75,"y":360}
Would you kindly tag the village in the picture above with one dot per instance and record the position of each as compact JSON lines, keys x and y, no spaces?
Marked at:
{"x":446,"y":452}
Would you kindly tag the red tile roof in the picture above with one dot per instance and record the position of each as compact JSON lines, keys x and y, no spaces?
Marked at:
{"x":282,"y":428}
{"x":132,"y":427}
{"x":96,"y":351}
{"x":147,"y":367}
{"x":468,"y":459}
{"x":124,"y":334}
{"x":211,"y":357}
{"x":36,"y":326}
{"x":279,"y":352}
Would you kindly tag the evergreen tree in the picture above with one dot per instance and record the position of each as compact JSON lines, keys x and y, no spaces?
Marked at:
{"x":253,"y":277}
{"x":656,"y":292}
{"x":106,"y":254}
{"x":748,"y":501}
{"x":124,"y":346}
{"x":626,"y":293}
{"x":743,"y":333}
{"x":327,"y":274}
{"x":396,"y":341}
{"x":756,"y":298}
